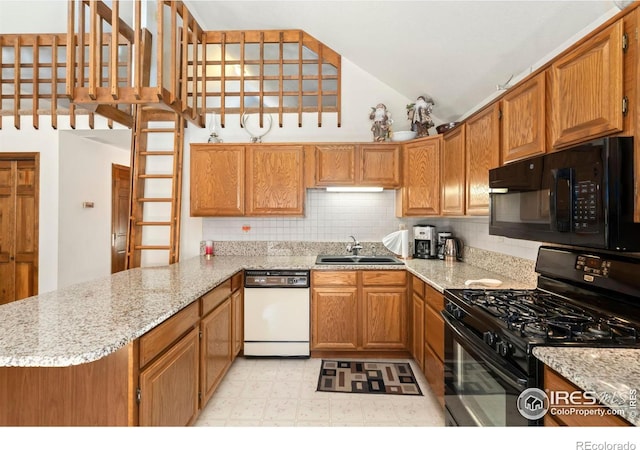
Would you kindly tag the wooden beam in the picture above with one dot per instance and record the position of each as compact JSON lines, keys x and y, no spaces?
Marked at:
{"x":80,"y":47}
{"x":280,"y":79}
{"x":113,"y":60}
{"x":54,"y":82}
{"x":138,"y":67}
{"x":16,"y":84}
{"x":185,"y":58}
{"x":173,"y":75}
{"x":94,"y":46}
{"x":71,"y":49}
{"x":115,"y":114}
{"x":36,"y":84}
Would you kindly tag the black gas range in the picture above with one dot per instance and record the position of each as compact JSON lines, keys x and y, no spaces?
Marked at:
{"x":582,"y":298}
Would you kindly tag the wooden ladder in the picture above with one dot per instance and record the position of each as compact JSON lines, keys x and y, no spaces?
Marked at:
{"x":156,"y":188}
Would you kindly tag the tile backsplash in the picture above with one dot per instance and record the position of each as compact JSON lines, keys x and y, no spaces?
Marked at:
{"x":334,"y":216}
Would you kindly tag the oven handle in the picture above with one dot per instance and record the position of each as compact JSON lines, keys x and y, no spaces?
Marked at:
{"x":468,"y":338}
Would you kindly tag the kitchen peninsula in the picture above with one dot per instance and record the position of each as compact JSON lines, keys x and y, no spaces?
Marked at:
{"x":72,"y":356}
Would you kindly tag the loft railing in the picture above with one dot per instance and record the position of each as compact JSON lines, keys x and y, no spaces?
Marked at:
{"x":158,"y":80}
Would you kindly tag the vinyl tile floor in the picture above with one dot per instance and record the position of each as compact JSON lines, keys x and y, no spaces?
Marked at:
{"x":282,"y":392}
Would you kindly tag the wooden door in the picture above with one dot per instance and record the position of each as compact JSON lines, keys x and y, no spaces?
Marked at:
{"x":384,"y":318}
{"x":275,"y":180}
{"x":216,"y":349}
{"x":335,"y":165}
{"x":453,"y":172}
{"x":482,"y":153}
{"x":587,"y":89}
{"x":420,"y":193}
{"x":120,"y":195}
{"x":217,"y":180}
{"x":334,"y":318}
{"x":19,"y":197}
{"x":379,"y":165}
{"x":523,"y":120}
{"x":169,"y":386}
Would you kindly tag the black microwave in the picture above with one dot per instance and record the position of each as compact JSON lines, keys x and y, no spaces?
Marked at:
{"x":581,"y":196}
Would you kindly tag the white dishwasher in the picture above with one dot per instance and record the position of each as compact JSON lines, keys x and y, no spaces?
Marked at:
{"x":276,"y":313}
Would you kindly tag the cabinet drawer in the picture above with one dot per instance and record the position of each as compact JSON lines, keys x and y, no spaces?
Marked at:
{"x":384,"y":278}
{"x":334,"y":278}
{"x":236,"y":281}
{"x":434,"y":299}
{"x":215,"y":296}
{"x":434,"y":331}
{"x":418,"y":286}
{"x":169,"y":331}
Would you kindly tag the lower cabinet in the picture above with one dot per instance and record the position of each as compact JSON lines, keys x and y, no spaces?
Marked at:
{"x":577,"y":417}
{"x":434,"y":342}
{"x":169,"y":386}
{"x":417,"y":320}
{"x":358,"y":310}
{"x":183,"y":360}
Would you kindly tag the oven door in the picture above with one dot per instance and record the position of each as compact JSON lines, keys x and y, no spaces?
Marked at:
{"x":481,"y":388}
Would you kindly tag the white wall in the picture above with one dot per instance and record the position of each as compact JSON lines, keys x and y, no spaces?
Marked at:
{"x":85,"y":233}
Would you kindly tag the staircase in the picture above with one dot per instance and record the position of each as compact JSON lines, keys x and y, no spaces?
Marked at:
{"x":156,"y":191}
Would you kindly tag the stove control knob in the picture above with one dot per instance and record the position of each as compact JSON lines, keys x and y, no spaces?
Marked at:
{"x":490,"y":338}
{"x":504,"y":348}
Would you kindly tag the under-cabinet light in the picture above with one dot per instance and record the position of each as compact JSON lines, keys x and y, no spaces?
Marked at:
{"x":354,"y":189}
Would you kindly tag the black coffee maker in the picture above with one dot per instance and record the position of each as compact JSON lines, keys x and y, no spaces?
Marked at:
{"x":425,"y":241}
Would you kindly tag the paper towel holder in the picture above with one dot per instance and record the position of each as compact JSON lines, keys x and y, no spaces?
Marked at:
{"x":398,"y":243}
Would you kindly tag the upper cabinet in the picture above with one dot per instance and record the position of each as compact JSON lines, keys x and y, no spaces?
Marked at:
{"x":352,"y":164}
{"x":453,"y":172}
{"x":252,"y":180}
{"x":420,"y":192}
{"x":275,"y":180}
{"x":217,"y":180}
{"x":482,"y":154}
{"x":523,"y":120}
{"x":586,"y":89}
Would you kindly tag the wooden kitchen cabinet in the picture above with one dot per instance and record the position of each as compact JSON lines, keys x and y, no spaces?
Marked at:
{"x":482,"y":153}
{"x":356,"y":164}
{"x":334,"y":310}
{"x":523,"y":120}
{"x":420,"y":192}
{"x":169,"y":363}
{"x":384,"y":297}
{"x":275,"y":180}
{"x":417,"y":320}
{"x":237,"y":312}
{"x":586,"y":89}
{"x":216,"y":352}
{"x":358,"y":310}
{"x":553,"y":381}
{"x":453,"y":171}
{"x":434,"y":342}
{"x":217,"y":180}
{"x":252,"y":180}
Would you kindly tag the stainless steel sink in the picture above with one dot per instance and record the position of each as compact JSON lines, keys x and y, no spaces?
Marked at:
{"x":357,"y":260}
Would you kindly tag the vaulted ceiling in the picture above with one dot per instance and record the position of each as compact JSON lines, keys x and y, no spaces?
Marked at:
{"x":457,"y":52}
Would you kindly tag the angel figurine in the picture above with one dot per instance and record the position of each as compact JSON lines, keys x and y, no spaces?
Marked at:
{"x":419,"y":113}
{"x":381,"y":122}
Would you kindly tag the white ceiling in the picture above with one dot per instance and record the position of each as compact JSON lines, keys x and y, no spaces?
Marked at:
{"x":457,"y":52}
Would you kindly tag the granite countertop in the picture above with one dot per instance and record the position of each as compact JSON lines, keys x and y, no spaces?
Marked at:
{"x":612,"y":374}
{"x":87,"y":321}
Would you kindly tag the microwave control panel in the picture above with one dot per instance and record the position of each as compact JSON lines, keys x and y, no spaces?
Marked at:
{"x":585,"y":206}
{"x":593,"y":265}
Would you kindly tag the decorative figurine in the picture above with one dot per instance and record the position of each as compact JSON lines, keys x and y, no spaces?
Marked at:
{"x":381,"y":122}
{"x":419,"y":113}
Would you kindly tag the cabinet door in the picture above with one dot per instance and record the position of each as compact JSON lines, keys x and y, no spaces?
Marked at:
{"x":275,"y":180}
{"x":587,"y":89}
{"x":453,"y":172}
{"x":216,"y":348}
{"x":379,"y":165}
{"x":335,"y":165}
{"x":384,"y":318}
{"x":434,"y":331}
{"x":417,"y":335}
{"x":217,"y":180}
{"x":482,"y":154}
{"x":420,"y":192}
{"x":238,"y":319}
{"x":334,"y":318}
{"x":169,"y":386}
{"x":523,"y":120}
{"x":434,"y":373}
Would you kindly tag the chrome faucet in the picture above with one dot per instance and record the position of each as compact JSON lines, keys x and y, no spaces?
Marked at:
{"x":354,"y":247}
